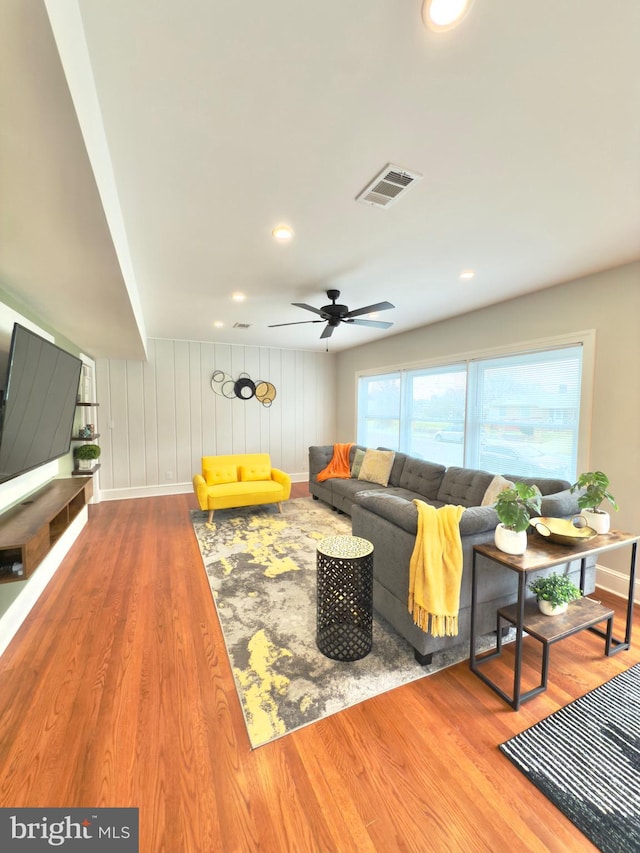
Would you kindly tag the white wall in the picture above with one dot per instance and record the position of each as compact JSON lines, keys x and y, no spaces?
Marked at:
{"x":158,"y":418}
{"x":608,"y":302}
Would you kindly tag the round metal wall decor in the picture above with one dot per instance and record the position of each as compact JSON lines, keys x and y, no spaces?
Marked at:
{"x":265,"y":392}
{"x":242,"y":388}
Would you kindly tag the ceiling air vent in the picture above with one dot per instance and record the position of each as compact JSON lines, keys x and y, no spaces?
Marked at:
{"x":241,"y":325}
{"x":388,"y":186}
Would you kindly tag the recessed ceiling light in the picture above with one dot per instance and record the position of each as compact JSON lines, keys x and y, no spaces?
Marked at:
{"x":238,"y":297}
{"x":465,"y":275}
{"x":442,"y":15}
{"x":218,"y":324}
{"x":282,"y":233}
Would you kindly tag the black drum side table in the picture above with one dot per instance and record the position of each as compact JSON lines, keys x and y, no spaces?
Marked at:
{"x":344,"y":629}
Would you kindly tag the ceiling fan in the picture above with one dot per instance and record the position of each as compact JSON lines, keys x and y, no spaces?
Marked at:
{"x":334,"y":314}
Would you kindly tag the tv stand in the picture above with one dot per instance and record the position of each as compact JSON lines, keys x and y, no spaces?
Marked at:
{"x":30,"y":529}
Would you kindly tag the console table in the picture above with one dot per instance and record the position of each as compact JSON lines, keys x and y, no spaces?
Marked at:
{"x":582,"y":614}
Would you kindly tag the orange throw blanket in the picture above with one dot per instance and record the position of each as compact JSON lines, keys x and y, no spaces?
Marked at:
{"x":339,"y":465}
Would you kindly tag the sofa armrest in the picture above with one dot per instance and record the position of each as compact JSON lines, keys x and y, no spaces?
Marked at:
{"x":200,"y":488}
{"x":283,"y":479}
{"x":561,"y":505}
{"x":478,"y":519}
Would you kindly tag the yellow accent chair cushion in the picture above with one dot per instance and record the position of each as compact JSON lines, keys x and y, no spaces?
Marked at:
{"x":218,"y":475}
{"x":239,"y":479}
{"x":251,"y":473}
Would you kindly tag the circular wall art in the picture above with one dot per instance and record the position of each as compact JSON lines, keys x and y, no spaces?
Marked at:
{"x":265,"y":392}
{"x":242,"y":388}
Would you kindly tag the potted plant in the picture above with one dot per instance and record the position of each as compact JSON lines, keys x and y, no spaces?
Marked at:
{"x":86,"y":454}
{"x":554,"y":592}
{"x":514,"y":507}
{"x":595,"y":486}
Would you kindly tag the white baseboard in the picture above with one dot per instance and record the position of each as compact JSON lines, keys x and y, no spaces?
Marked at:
{"x":168,"y":489}
{"x":18,"y":610}
{"x":617,"y":583}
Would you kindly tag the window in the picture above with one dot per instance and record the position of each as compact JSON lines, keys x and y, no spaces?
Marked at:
{"x":513,"y":414}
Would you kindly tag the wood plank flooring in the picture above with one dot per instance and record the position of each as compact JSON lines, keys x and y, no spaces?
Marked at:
{"x":117,"y":691}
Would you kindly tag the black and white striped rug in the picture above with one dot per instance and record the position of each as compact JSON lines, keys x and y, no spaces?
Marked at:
{"x":586,"y":759}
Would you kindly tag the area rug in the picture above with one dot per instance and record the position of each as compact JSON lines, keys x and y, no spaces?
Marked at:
{"x":261,"y":567}
{"x":586,"y":759}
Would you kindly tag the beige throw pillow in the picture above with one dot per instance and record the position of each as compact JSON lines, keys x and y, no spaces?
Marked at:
{"x":376,"y":466}
{"x":497,"y":485}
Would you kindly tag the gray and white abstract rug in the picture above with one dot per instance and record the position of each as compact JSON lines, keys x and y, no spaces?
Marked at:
{"x":586,"y":759}
{"x":261,"y":567}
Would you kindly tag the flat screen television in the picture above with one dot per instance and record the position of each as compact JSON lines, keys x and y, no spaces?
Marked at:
{"x":38,"y":403}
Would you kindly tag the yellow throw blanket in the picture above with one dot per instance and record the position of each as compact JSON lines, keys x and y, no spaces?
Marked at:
{"x":339,"y":465}
{"x":435,"y":572}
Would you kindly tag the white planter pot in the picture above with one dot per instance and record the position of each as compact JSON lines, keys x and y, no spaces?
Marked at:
{"x":550,"y":610}
{"x":510,"y":541}
{"x":85,"y":464}
{"x":598,"y":521}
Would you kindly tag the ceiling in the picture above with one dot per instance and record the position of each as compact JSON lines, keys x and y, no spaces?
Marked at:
{"x":148,"y":149}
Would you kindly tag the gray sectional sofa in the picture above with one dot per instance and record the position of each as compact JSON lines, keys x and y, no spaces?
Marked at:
{"x":387,"y":517}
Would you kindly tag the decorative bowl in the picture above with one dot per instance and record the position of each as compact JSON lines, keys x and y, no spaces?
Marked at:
{"x":563,"y":531}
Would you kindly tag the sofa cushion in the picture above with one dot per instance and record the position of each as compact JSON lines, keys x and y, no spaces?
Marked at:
{"x":357,"y":462}
{"x":255,"y":472}
{"x":421,"y":477}
{"x":547,"y":485}
{"x":218,"y":475}
{"x":497,"y":485}
{"x":464,"y":486}
{"x":376,"y":466}
{"x":398,"y":511}
{"x":397,"y":468}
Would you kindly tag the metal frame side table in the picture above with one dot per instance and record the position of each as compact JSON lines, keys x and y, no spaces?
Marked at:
{"x":585,"y":613}
{"x":344,"y":629}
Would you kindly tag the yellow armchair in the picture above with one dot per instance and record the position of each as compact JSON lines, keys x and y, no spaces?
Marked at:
{"x":240,"y":479}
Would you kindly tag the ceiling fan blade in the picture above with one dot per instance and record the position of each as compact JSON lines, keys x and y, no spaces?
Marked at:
{"x":327,"y":332}
{"x":297,"y":323}
{"x":369,"y":309}
{"x":375,"y":324}
{"x":307,"y":307}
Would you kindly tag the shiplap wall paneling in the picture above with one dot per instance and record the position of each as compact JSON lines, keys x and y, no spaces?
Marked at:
{"x":250,"y":407}
{"x":160,"y":417}
{"x":167,"y":382}
{"x":118,"y":417}
{"x":135,"y":424}
{"x":223,"y":438}
{"x":148,"y":392}
{"x":184,"y":413}
{"x":200,"y":402}
{"x":288,"y":423}
{"x":274,"y":414}
{"x":264,"y":414}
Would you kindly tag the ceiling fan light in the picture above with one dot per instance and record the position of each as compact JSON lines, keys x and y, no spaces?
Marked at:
{"x":442,"y":15}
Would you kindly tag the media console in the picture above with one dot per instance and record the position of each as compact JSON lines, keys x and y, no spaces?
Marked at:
{"x":30,"y":529}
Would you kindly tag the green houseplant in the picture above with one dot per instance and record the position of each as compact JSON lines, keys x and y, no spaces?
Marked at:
{"x":554,"y":593}
{"x":86,"y":454}
{"x":515,"y":506}
{"x":594,"y":486}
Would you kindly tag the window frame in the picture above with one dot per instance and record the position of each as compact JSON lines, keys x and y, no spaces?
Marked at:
{"x":586,"y":339}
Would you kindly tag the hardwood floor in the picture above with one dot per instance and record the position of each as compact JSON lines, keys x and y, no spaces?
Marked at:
{"x":117,"y":691}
